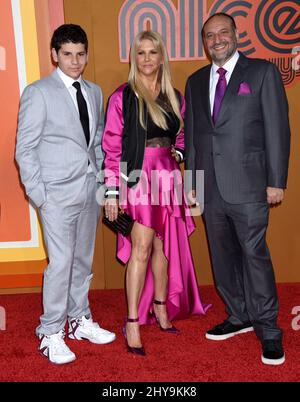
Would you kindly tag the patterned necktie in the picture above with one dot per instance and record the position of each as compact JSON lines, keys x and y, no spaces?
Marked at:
{"x":83,"y":111}
{"x":220,"y":91}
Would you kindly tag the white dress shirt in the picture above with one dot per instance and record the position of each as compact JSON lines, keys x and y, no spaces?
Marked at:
{"x":214,"y":76}
{"x":68,"y":81}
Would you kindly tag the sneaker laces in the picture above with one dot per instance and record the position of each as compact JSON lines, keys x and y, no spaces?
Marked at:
{"x":89,"y":325}
{"x":58,"y":343}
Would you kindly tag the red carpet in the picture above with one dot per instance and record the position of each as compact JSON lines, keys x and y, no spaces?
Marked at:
{"x":184,"y":358}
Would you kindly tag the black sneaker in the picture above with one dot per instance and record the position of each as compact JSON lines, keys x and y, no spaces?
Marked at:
{"x":227,"y":330}
{"x":273,"y":353}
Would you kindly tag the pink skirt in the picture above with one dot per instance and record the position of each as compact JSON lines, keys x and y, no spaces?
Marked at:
{"x":158,"y":202}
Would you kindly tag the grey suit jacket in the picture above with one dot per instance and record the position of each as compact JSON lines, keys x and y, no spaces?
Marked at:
{"x":51,"y":148}
{"x":248,"y":148}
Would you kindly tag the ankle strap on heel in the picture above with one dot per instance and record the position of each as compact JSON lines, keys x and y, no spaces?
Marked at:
{"x":159,"y":302}
{"x":132,"y":319}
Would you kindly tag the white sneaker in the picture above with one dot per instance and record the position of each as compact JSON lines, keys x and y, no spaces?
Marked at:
{"x":85,"y":328}
{"x":54,"y":347}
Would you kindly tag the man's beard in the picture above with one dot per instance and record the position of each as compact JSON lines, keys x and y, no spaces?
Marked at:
{"x":223,"y":58}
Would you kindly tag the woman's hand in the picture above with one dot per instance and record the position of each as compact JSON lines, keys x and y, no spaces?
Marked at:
{"x":175,"y":154}
{"x":111,"y":207}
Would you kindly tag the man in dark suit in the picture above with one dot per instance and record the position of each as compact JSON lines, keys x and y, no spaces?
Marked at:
{"x":237,"y":131}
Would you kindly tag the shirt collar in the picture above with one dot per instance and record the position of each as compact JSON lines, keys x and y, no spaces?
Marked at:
{"x":68,"y":81}
{"x":229,"y":65}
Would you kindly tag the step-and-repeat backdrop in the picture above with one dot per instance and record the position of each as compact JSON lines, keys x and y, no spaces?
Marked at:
{"x":25,"y":29}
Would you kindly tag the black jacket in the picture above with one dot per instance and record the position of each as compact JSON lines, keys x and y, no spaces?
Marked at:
{"x":248,"y":148}
{"x":123,"y":115}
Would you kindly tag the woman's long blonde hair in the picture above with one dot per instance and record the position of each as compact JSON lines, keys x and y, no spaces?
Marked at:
{"x":157,"y":113}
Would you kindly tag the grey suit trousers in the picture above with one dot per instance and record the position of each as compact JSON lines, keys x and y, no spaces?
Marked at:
{"x":242,"y":266}
{"x":69,"y":234}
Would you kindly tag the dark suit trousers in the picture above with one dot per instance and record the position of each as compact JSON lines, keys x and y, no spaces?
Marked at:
{"x":242,"y":266}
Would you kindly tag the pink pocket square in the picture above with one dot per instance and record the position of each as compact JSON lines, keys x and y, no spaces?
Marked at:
{"x":244,"y":89}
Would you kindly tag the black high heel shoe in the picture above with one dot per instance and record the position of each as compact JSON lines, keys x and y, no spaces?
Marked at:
{"x":172,"y":329}
{"x":137,"y":351}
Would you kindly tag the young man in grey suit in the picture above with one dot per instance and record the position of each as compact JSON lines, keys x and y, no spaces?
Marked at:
{"x":237,"y":131}
{"x":59,"y":154}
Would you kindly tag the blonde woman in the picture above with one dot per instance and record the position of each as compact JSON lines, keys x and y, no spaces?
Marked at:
{"x":144,"y":131}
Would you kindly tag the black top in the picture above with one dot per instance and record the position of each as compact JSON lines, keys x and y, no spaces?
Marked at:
{"x":153,"y":131}
{"x":134,"y":138}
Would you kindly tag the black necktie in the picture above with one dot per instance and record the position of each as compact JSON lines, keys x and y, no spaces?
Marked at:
{"x":83,"y":112}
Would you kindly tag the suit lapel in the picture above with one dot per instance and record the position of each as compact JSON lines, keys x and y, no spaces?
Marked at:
{"x":205,"y":93}
{"x":64,"y":93}
{"x":92,"y":102}
{"x":200,"y":93}
{"x":233,"y":86}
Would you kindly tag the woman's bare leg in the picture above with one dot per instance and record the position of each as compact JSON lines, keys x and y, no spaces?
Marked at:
{"x":160,"y":272}
{"x":142,"y":239}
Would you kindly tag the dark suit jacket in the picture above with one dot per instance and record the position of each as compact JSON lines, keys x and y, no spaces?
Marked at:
{"x":248,"y":148}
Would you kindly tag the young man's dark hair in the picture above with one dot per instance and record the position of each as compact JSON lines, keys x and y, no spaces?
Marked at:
{"x":219,"y":15}
{"x":68,"y":33}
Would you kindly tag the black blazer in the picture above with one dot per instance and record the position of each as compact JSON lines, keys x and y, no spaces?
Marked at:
{"x":248,"y":148}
